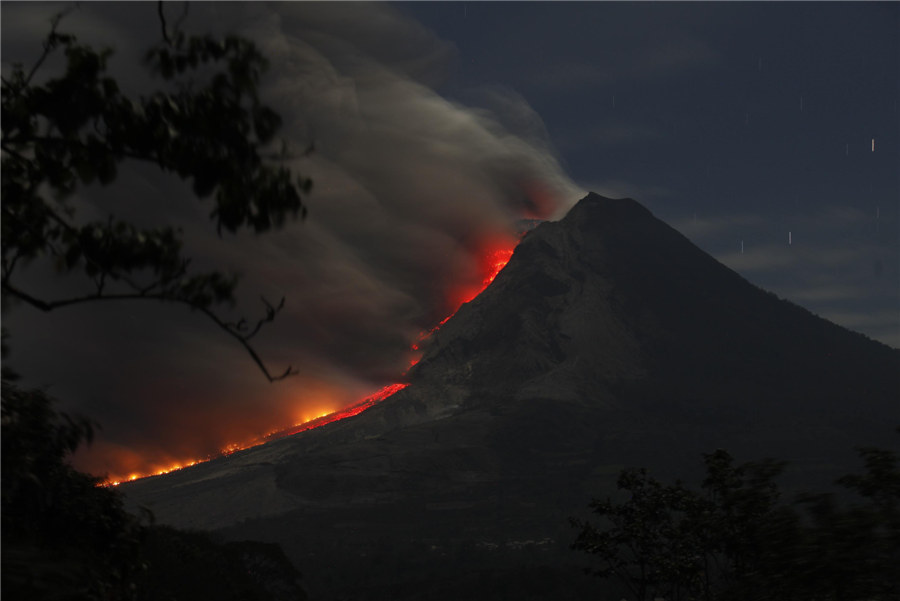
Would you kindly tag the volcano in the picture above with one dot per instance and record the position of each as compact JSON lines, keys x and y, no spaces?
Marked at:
{"x":608,"y":340}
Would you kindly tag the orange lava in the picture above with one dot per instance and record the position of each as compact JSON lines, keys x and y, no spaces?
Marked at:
{"x":317,"y":422}
{"x":493,"y":263}
{"x":356,"y":409}
{"x":498,"y":260}
{"x":494,"y":260}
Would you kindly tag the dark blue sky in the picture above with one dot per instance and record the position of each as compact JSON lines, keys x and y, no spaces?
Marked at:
{"x":732,"y":121}
{"x":685,"y":77}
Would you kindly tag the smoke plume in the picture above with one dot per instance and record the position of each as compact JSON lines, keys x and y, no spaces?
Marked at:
{"x":410,"y":190}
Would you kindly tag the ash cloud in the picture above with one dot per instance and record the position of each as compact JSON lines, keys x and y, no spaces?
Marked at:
{"x":409,"y":188}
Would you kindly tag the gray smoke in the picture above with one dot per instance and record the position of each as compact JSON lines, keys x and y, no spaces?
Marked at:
{"x":409,"y":188}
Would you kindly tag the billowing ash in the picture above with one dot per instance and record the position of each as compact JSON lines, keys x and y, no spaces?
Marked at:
{"x":411,"y":191}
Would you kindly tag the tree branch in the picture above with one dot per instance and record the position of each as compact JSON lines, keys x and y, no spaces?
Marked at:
{"x":120,"y":266}
{"x":48,"y":306}
{"x":9,"y":266}
{"x":271,"y":312}
{"x":243,"y":340}
{"x":75,"y":143}
{"x":162,"y":22}
{"x":49,"y":46}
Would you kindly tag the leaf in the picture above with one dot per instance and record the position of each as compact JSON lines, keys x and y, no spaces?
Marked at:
{"x":266,"y":123}
{"x":204,"y":183}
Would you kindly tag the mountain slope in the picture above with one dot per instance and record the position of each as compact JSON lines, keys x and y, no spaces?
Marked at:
{"x":612,"y":300}
{"x":612,"y":282}
{"x":608,"y":340}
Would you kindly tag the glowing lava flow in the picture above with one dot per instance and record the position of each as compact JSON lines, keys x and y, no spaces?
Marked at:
{"x":498,"y":260}
{"x":494,"y":262}
{"x":337,"y":415}
{"x":316,"y":422}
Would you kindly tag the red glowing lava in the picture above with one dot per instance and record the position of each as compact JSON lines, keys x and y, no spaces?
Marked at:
{"x":494,"y":259}
{"x":492,"y":263}
{"x":498,"y":260}
{"x":356,"y":409}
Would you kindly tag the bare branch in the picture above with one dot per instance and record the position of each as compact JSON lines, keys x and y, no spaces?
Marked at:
{"x":290,"y":371}
{"x":271,"y":312}
{"x":162,"y":22}
{"x":159,"y":283}
{"x":100,"y":280}
{"x":162,"y":297}
{"x":10,"y":265}
{"x":48,"y":45}
{"x":48,"y":306}
{"x":77,"y":143}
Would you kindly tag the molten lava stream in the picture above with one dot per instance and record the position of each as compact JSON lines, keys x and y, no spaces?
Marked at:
{"x":493,"y":262}
{"x":295,"y":429}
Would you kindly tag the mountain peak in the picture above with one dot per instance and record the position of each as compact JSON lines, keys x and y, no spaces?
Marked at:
{"x":596,"y":208}
{"x":594,"y":201}
{"x":612,"y":299}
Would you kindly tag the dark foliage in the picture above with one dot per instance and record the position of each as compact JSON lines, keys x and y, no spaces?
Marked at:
{"x":190,"y":565}
{"x":66,"y":537}
{"x":205,"y":124}
{"x":63,"y":535}
{"x":735,"y":540}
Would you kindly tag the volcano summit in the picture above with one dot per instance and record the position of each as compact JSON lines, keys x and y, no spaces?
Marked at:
{"x":609,"y":340}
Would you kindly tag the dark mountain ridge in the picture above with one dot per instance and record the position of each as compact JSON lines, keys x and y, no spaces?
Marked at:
{"x":613,"y":280}
{"x":612,"y":310}
{"x":608,"y":340}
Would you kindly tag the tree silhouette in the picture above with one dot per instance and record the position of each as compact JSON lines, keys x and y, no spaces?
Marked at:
{"x":734,"y":540}
{"x":61,"y":531}
{"x":672,"y":542}
{"x":205,"y":123}
{"x":64,"y":536}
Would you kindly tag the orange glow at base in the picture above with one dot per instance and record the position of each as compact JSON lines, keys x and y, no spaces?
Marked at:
{"x":493,"y":259}
{"x":356,"y":409}
{"x":317,"y":422}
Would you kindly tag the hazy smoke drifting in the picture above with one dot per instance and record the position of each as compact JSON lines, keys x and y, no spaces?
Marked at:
{"x":409,"y":188}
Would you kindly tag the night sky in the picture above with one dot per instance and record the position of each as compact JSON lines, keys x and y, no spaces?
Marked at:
{"x":731,"y":122}
{"x":749,"y":127}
